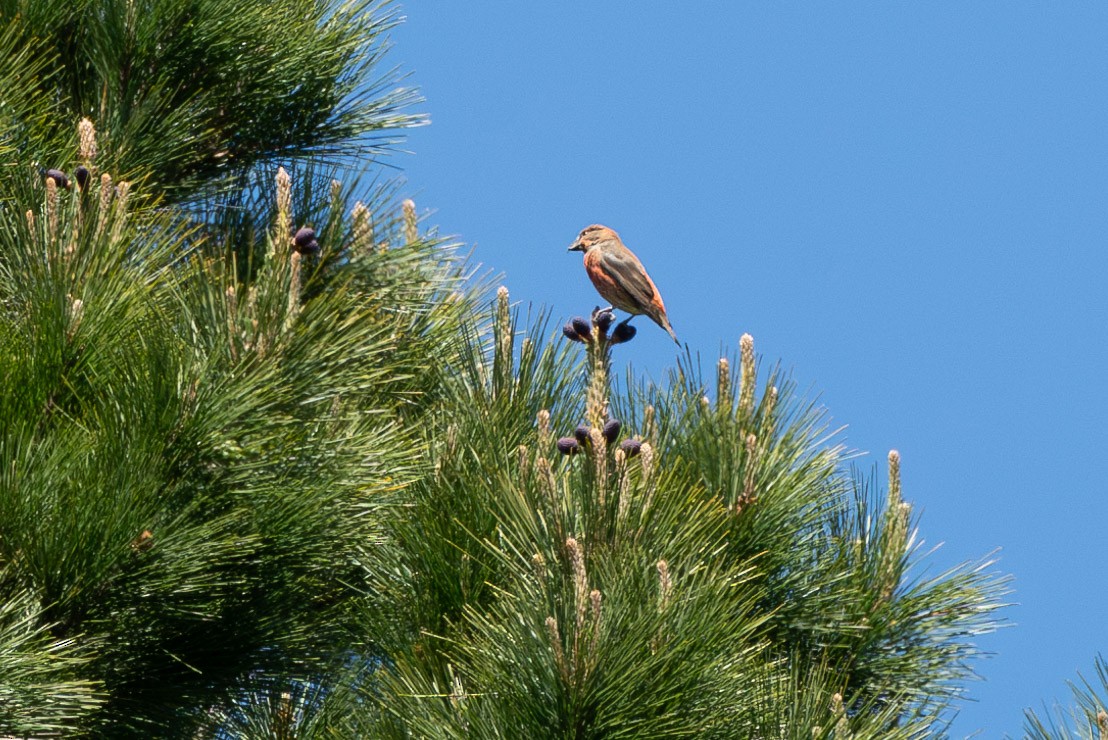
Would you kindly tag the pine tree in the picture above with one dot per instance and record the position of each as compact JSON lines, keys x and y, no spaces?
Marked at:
{"x":266,"y":469}
{"x":1087,"y":718}
{"x":659,"y":563}
{"x":215,"y":365}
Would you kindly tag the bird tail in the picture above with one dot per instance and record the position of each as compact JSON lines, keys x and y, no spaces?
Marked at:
{"x":672,"y":333}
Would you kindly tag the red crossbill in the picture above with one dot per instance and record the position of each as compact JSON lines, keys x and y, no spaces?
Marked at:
{"x":619,"y":277}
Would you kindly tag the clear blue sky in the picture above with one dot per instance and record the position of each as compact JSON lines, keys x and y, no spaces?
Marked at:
{"x":907,"y":204}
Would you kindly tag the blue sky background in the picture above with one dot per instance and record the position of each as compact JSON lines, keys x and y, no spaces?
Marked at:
{"x":905,"y":204}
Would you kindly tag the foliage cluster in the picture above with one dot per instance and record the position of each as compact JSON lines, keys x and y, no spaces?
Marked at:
{"x":258,"y":484}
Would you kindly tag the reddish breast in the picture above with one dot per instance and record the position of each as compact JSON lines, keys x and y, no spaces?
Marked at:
{"x":599,"y":276}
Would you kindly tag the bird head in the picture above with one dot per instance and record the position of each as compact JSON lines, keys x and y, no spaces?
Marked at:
{"x":591,"y":236}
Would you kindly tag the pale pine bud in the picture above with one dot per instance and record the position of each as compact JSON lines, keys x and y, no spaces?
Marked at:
{"x":336,"y":192}
{"x":747,"y":375}
{"x":31,"y":225}
{"x":842,"y":728}
{"x":76,"y":311}
{"x":580,"y":579}
{"x":665,"y":585}
{"x":284,"y":213}
{"x":411,"y":228}
{"x":599,"y":452}
{"x":894,"y":477}
{"x":646,"y":454}
{"x":576,"y":557}
{"x":294,"y":289}
{"x":524,"y":463}
{"x":526,"y":351}
{"x":284,"y":192}
{"x":363,"y":227}
{"x":538,"y":565}
{"x":596,"y":396}
{"x":649,"y":430}
{"x":284,"y":713}
{"x":1102,"y":724}
{"x":624,"y":486}
{"x":232,"y":319}
{"x":503,"y":329}
{"x":770,"y":411}
{"x":51,"y":209}
{"x":545,"y":438}
{"x":545,"y":477}
{"x":595,"y":600}
{"x":896,"y":544}
{"x":723,"y":385}
{"x":123,"y":193}
{"x":556,"y":643}
{"x":86,"y":134}
{"x":105,"y":203}
{"x":646,"y":465}
{"x":749,"y":468}
{"x":252,"y":304}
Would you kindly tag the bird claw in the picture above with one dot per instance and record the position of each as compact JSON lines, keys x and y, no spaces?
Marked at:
{"x":603,"y":320}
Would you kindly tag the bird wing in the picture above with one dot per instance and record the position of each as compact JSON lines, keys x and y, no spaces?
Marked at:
{"x":629,"y":274}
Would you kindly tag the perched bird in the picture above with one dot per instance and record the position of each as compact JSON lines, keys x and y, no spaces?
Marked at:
{"x":619,"y":277}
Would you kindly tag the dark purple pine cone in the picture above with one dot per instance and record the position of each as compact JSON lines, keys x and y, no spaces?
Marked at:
{"x":630,"y":447}
{"x":604,"y":320}
{"x":82,"y":175}
{"x":59,"y":178}
{"x":582,"y":433}
{"x":568,"y":446}
{"x":611,"y":430}
{"x":623,"y":333}
{"x":571,"y":333}
{"x":305,"y":240}
{"x":582,"y":327}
